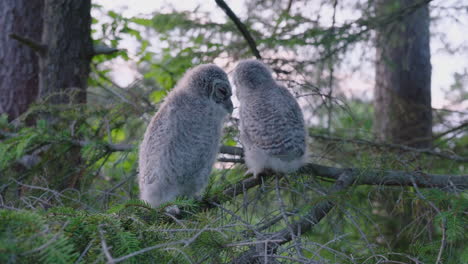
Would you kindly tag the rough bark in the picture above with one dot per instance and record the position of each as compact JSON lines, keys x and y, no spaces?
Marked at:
{"x":19,"y":63}
{"x":64,"y":71}
{"x":403,"y":77}
{"x":64,"y":68}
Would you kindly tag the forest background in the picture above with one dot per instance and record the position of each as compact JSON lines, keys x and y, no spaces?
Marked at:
{"x":387,"y":178}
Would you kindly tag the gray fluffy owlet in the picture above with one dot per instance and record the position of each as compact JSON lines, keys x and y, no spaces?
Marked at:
{"x":182,"y":140}
{"x":272,"y":128}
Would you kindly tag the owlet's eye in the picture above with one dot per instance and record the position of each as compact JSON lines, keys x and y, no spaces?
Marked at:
{"x":223,"y":91}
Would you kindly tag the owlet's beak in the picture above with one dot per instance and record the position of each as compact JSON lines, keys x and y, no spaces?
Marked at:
{"x":228,"y":105}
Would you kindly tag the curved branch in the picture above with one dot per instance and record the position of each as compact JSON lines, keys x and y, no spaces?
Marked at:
{"x":305,"y":224}
{"x":394,"y":146}
{"x":242,"y":28}
{"x":363,"y":176}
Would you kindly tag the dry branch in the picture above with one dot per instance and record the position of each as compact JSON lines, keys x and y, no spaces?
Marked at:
{"x":361,"y":176}
{"x":459,"y":127}
{"x":365,"y":176}
{"x":103,"y":49}
{"x":34,"y":45}
{"x":393,"y":146}
{"x":305,"y":224}
{"x":242,"y":28}
{"x":390,"y":177}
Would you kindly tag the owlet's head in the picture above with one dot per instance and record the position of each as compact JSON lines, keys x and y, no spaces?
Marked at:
{"x":210,"y":81}
{"x":251,"y":74}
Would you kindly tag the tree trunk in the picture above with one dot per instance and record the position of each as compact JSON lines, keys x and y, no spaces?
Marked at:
{"x":64,"y":67}
{"x":403,"y":77}
{"x":63,"y":76}
{"x":402,"y":100}
{"x":19,"y":63}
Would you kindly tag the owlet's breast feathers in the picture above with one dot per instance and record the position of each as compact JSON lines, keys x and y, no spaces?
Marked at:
{"x":271,"y":122}
{"x":182,"y":140}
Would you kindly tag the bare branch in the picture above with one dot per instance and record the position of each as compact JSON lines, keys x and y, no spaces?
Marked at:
{"x":443,"y":241}
{"x":389,"y":177}
{"x":459,"y":127}
{"x":85,"y":251}
{"x":303,"y":225}
{"x":393,"y":146}
{"x":364,"y":176}
{"x":103,"y":49}
{"x":108,"y":146}
{"x":7,"y":134}
{"x":232,"y":150}
{"x":316,"y":214}
{"x":242,"y":28}
{"x":48,"y":243}
{"x":231,"y":160}
{"x":242,"y":186}
{"x":34,"y":45}
{"x":106,"y":249}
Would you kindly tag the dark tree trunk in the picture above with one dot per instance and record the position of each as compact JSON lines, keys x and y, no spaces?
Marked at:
{"x":403,"y":77}
{"x":64,"y":71}
{"x":64,"y":67}
{"x":402,"y":100}
{"x":50,"y":60}
{"x":19,"y":63}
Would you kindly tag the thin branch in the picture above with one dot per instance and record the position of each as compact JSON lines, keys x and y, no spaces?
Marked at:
{"x":393,"y":146}
{"x":461,"y":126}
{"x":107,"y":146}
{"x":443,"y":241}
{"x":232,"y":150}
{"x":34,"y":45}
{"x":319,"y":211}
{"x":280,"y":19}
{"x":103,"y":49}
{"x":231,"y":160}
{"x":48,"y":243}
{"x":249,"y":243}
{"x":303,"y":225}
{"x":363,"y":176}
{"x":7,"y":134}
{"x":241,"y":186}
{"x":85,"y":251}
{"x":241,"y":27}
{"x":331,"y":70}
{"x":136,"y":253}
{"x":106,"y":249}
